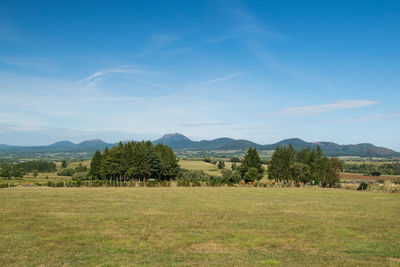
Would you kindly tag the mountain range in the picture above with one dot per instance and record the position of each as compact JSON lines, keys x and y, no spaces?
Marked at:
{"x":180,"y":142}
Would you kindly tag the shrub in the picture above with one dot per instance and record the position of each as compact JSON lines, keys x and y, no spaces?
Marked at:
{"x":151,"y":183}
{"x":363,"y":186}
{"x":215,"y":181}
{"x":164,"y":183}
{"x":252,"y":174}
{"x":183,"y":183}
{"x":80,"y":176}
{"x":66,"y":172}
{"x":193,"y":176}
{"x":196,"y":183}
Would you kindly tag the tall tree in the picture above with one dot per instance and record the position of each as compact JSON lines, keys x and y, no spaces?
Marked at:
{"x":64,"y":164}
{"x":95,"y":165}
{"x":251,"y":160}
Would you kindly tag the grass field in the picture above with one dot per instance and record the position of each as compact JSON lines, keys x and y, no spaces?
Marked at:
{"x":198,"y":226}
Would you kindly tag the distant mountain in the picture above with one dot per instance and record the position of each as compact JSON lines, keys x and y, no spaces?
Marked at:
{"x":180,"y":142}
{"x":62,"y":146}
{"x":176,"y":141}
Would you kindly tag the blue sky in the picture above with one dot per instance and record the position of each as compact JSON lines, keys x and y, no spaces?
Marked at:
{"x":258,"y":70}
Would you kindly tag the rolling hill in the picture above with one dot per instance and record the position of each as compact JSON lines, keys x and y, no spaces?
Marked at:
{"x":180,"y":142}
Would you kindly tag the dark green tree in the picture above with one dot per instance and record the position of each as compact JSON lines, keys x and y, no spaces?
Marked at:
{"x":234,"y":166}
{"x":221,"y":164}
{"x":252,"y":174}
{"x":95,"y":165}
{"x":280,"y":164}
{"x":64,"y":164}
{"x":251,"y":160}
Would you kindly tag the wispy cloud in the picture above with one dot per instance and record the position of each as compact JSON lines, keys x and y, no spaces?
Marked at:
{"x":205,"y":124}
{"x":37,"y":63}
{"x":156,"y":43}
{"x":245,"y":24}
{"x":222,"y":78}
{"x":104,"y":72}
{"x":313,"y":110}
{"x":372,"y":117}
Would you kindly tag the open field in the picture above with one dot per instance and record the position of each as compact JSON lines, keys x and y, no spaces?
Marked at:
{"x":198,"y":226}
{"x":357,"y":176}
{"x":206,"y":167}
{"x":197,"y":165}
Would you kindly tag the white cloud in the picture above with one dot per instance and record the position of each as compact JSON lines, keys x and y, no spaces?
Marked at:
{"x":313,"y":110}
{"x":104,"y":72}
{"x":372,"y":117}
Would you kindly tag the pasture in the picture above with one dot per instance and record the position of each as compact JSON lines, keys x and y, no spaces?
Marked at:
{"x":242,"y":226}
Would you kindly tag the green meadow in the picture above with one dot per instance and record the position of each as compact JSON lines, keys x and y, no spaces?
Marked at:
{"x":201,"y":226}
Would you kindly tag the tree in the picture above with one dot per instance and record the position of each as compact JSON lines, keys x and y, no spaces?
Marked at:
{"x":280,"y":164}
{"x":235,"y":159}
{"x":252,"y":174}
{"x":329,"y":171}
{"x":64,"y":164}
{"x":35,"y":173}
{"x":168,"y":162}
{"x":95,"y":165}
{"x":251,"y":160}
{"x":300,"y":172}
{"x":135,"y":160}
{"x":221,"y":164}
{"x":105,"y":165}
{"x":234,"y":166}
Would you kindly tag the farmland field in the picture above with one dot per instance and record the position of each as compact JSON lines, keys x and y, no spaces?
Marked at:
{"x":198,"y":226}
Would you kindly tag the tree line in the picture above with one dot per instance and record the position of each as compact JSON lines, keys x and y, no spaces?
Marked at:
{"x":304,"y":166}
{"x":134,"y":160}
{"x":374,"y":169}
{"x":20,"y":169}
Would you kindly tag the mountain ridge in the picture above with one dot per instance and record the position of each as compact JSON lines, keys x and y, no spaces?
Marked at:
{"x":180,"y":142}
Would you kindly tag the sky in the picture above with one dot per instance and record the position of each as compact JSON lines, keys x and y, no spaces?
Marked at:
{"x":257,"y":70}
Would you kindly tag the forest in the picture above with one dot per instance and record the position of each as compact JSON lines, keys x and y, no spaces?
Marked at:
{"x":134,"y":160}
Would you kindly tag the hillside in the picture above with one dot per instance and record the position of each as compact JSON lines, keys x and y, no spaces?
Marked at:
{"x":180,"y":142}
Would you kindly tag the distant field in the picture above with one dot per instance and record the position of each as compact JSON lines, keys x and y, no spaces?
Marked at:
{"x":224,"y":226}
{"x":355,"y":176}
{"x":200,"y":165}
{"x":205,"y":166}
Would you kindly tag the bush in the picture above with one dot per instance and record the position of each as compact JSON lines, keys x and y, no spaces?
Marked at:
{"x":66,"y":172}
{"x":363,"y":186}
{"x":80,"y":176}
{"x":235,"y":159}
{"x":151,"y":183}
{"x":191,"y":176}
{"x":215,"y":181}
{"x":196,"y":183}
{"x":252,"y":175}
{"x":183,"y":183}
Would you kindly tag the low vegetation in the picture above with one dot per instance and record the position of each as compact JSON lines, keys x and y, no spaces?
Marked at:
{"x":223,"y":226}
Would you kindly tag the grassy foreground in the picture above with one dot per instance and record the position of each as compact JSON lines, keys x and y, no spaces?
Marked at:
{"x":198,"y":226}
